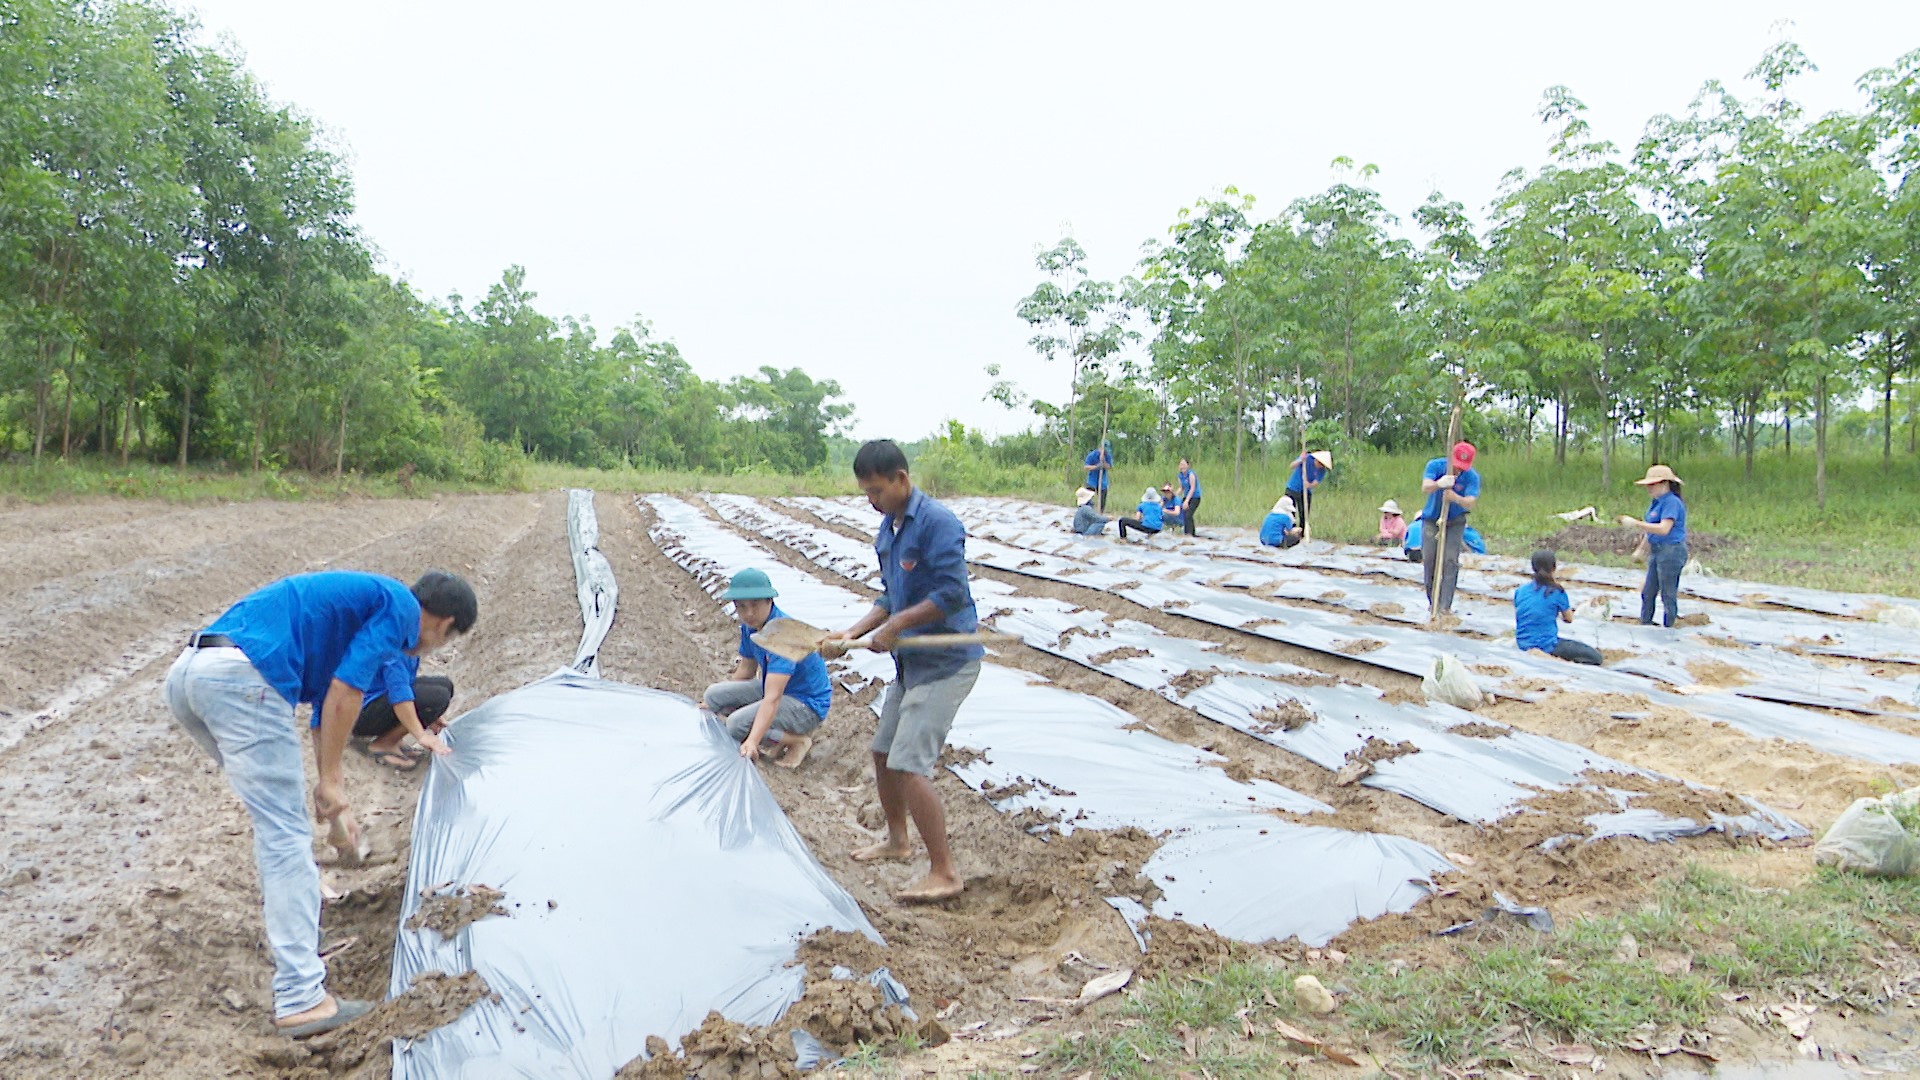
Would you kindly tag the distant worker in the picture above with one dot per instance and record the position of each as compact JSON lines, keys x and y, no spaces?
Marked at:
{"x":303,"y":640}
{"x":1666,"y":529}
{"x":1169,"y":506}
{"x":1452,"y":487}
{"x":1151,"y":516}
{"x":401,"y":702}
{"x":921,"y":547}
{"x":1189,"y":497}
{"x":1308,"y":471}
{"x":1099,"y":469}
{"x":1086,"y":520}
{"x":1278,"y":528}
{"x":1536,"y":606}
{"x":1393,"y":525}
{"x":1469,"y":536}
{"x":770,"y":704}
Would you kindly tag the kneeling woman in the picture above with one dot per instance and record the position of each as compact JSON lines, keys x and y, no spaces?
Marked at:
{"x":1536,"y":606}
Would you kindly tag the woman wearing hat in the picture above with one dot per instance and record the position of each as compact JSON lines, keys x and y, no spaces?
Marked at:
{"x":1393,"y":525}
{"x":1666,"y":529}
{"x":1086,"y":520}
{"x":1171,"y":510}
{"x":1279,"y":530}
{"x":1308,"y":471}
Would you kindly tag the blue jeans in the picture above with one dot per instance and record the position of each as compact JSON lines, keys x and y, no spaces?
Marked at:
{"x":248,"y":729}
{"x":1664,"y":563}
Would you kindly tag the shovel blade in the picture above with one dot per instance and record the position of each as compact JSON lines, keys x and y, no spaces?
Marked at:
{"x":789,"y":639}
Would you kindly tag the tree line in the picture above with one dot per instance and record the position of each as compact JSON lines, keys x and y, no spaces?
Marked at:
{"x":1744,"y":266}
{"x":181,"y":279}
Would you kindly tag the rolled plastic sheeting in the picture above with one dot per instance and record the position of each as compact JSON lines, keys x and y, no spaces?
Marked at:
{"x":1087,"y":766}
{"x":593,"y":576}
{"x":650,"y":878}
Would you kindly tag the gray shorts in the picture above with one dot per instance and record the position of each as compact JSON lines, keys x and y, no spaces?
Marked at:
{"x":914,"y":722}
{"x":737,"y":703}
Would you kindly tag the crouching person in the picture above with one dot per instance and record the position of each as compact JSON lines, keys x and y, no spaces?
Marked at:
{"x":771,"y":704}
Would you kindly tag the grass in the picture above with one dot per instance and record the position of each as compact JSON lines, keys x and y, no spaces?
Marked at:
{"x":1863,"y":541}
{"x":1487,"y":999}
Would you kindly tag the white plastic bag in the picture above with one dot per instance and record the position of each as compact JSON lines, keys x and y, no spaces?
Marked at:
{"x":1451,"y":683}
{"x":1870,"y":840}
{"x":1899,"y":615}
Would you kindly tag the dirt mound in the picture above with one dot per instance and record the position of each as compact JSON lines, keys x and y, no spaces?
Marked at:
{"x":1124,"y":652}
{"x":842,"y":1013}
{"x":1357,"y":646}
{"x":1716,"y":673}
{"x":433,"y":1001}
{"x":1289,"y":715}
{"x":1477,"y":730}
{"x":1620,"y":540}
{"x":448,"y":913}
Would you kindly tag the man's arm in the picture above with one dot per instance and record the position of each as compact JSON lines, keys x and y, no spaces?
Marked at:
{"x":336,"y":723}
{"x":763,"y":719}
{"x":744,"y":670}
{"x":1466,"y":501}
{"x":409,"y":718}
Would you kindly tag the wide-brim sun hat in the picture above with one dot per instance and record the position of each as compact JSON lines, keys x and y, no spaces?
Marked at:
{"x":1390,"y":507}
{"x":1151,"y":495}
{"x":1083,"y":496}
{"x":1659,"y":474}
{"x":1324,"y":457}
{"x":750,"y":584}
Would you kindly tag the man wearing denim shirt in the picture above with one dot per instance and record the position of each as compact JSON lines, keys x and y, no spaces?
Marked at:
{"x":923,"y":568}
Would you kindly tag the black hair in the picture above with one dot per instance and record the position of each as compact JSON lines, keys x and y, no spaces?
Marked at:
{"x":879,"y":459}
{"x":443,"y":594}
{"x":1544,"y":564}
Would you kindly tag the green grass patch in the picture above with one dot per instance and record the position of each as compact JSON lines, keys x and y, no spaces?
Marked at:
{"x":1574,"y":985}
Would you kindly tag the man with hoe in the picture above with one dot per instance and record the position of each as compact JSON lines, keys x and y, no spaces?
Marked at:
{"x":303,"y":640}
{"x":1452,"y":487}
{"x":921,"y":547}
{"x":1099,"y":470}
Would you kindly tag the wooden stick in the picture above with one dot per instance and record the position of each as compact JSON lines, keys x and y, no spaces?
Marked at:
{"x":1440,"y":526}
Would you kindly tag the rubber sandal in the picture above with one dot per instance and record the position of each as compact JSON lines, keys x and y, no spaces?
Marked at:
{"x":397,"y":760}
{"x":346,"y":1013}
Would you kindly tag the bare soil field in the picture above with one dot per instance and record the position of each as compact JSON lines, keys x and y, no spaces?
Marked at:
{"x":130,"y":910}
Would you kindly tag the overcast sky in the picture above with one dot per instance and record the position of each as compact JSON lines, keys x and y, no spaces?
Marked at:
{"x":859,"y":190}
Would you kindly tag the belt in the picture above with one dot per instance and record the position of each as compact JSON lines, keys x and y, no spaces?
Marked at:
{"x":211,"y":641}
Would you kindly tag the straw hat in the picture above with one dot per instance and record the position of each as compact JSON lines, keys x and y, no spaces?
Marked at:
{"x":1659,"y":474}
{"x":1324,"y":457}
{"x":1390,"y":507}
{"x":1083,"y":496}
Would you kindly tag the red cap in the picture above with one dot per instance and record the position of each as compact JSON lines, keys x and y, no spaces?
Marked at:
{"x":1463,"y":455}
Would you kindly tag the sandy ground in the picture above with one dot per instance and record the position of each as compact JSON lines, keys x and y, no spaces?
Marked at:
{"x":133,"y":935}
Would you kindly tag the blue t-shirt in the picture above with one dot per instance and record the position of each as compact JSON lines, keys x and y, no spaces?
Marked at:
{"x":1469,"y":538}
{"x":1466,"y":485}
{"x":807,"y":680}
{"x":1152,"y":514}
{"x":1315,"y":473}
{"x":923,"y":556}
{"x":1273,"y":531}
{"x":1668,"y":507}
{"x":395,"y":683}
{"x":302,"y":632}
{"x":1187,"y":478}
{"x":1535,"y":611}
{"x":1097,"y":479}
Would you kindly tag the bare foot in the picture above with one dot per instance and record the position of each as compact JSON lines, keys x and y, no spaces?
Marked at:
{"x":888,"y":850}
{"x":793,"y":750}
{"x":930,"y":890}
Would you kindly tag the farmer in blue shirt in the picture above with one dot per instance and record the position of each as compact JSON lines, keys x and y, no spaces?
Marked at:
{"x":302,"y":640}
{"x":769,"y":698}
{"x":1099,"y":469}
{"x":401,"y":702}
{"x":1666,"y":529}
{"x":1308,"y":471}
{"x":1151,"y":519}
{"x":1189,"y":496}
{"x":1452,"y":483}
{"x":1278,"y":529}
{"x":1469,"y":536}
{"x":923,"y":568}
{"x":1538,"y":607}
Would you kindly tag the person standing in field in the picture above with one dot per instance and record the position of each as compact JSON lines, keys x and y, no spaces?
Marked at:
{"x":1099,"y":468}
{"x":304,"y":639}
{"x":1452,"y":488}
{"x":921,"y":547}
{"x":1536,"y":606}
{"x":1308,"y":471}
{"x":1189,"y":497}
{"x":1666,"y":530}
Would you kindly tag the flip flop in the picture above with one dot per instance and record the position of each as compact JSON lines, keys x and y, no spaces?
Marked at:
{"x":397,"y":760}
{"x":345,"y":1013}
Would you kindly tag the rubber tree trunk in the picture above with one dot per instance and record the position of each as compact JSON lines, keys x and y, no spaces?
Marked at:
{"x":186,"y":410}
{"x":1820,"y":445}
